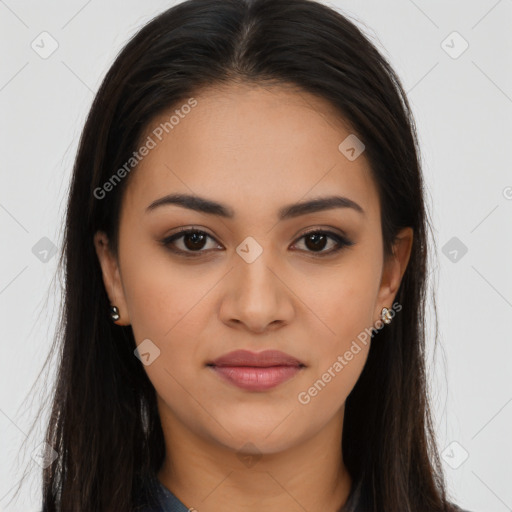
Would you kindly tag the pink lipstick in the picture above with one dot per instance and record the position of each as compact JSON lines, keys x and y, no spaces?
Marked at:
{"x":256,"y":371}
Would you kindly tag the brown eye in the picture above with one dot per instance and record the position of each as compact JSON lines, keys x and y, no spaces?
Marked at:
{"x":316,"y":241}
{"x":194,"y":241}
{"x":191,"y":241}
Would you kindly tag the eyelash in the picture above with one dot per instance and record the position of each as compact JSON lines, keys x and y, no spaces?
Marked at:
{"x":340,"y":240}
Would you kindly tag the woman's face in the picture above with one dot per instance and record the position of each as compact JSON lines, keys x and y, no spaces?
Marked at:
{"x":250,"y":278}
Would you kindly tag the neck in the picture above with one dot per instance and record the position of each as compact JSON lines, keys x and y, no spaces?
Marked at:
{"x":208,"y":476}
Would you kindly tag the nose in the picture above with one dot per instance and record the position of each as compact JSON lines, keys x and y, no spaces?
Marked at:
{"x":256,"y":297}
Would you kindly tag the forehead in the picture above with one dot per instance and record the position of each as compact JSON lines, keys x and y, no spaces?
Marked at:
{"x":253,"y":148}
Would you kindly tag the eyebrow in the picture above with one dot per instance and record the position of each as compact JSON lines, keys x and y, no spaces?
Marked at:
{"x":208,"y":206}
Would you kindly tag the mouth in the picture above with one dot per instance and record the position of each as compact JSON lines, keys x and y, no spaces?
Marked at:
{"x":256,"y":371}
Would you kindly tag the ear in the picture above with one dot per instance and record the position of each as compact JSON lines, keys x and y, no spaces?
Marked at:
{"x":111,"y":277}
{"x":394,"y":269}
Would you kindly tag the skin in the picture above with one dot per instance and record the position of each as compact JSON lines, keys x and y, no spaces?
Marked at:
{"x":255,"y":150}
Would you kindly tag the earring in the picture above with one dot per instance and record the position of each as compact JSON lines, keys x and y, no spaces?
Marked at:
{"x":114,"y":313}
{"x":386,"y":316}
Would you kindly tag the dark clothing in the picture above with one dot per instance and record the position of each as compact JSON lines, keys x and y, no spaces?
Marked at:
{"x":155,"y":497}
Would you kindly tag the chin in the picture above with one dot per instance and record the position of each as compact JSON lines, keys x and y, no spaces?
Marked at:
{"x":258,"y":438}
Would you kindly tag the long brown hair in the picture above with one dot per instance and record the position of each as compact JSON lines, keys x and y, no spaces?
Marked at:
{"x":104,"y":422}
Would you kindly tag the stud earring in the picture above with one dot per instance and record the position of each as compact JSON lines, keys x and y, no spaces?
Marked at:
{"x":114,"y":313}
{"x":386,"y":316}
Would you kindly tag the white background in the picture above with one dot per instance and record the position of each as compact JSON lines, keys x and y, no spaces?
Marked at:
{"x":463,"y":109}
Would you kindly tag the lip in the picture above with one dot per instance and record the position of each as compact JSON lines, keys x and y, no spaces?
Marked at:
{"x":262,"y":359}
{"x":256,"y":371}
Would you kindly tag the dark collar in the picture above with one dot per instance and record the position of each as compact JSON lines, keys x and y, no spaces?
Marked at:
{"x":155,"y":497}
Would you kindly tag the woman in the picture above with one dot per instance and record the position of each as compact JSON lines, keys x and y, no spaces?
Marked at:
{"x":245,"y":258}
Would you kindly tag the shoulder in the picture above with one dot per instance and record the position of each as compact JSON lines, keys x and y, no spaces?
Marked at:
{"x":155,"y":497}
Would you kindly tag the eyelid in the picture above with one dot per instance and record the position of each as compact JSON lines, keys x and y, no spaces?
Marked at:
{"x":327,"y":230}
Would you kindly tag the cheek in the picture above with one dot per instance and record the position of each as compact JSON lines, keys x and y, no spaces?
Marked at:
{"x":166,"y":307}
{"x":161,"y":295}
{"x":344,"y":300}
{"x":172,"y":320}
{"x":328,"y":390}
